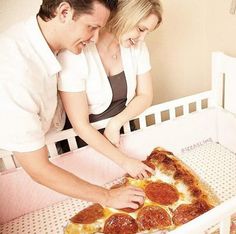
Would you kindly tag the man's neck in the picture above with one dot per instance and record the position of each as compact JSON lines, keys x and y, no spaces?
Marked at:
{"x":49,"y":32}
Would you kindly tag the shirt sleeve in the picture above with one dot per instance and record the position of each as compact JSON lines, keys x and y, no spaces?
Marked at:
{"x":73,"y":74}
{"x":143,"y":64}
{"x":20,"y":124}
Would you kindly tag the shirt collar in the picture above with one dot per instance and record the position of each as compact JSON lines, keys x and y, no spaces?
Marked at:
{"x":41,"y":47}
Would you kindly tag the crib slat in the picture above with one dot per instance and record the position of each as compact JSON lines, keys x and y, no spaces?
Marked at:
{"x":72,"y":143}
{"x":210,"y":101}
{"x":142,"y":122}
{"x":157,"y":117}
{"x":127,"y":128}
{"x":8,"y":162}
{"x":186,"y":109}
{"x":52,"y":149}
{"x":172,"y":113}
{"x":198,"y":105}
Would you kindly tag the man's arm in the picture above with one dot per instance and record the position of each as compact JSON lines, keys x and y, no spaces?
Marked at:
{"x":41,"y":170}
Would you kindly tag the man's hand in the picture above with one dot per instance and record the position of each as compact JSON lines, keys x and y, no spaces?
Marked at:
{"x":123,"y":197}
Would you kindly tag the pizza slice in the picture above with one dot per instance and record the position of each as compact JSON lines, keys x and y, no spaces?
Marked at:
{"x":174,"y":196}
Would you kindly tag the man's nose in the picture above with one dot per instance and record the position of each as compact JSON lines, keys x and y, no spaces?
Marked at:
{"x":95,"y":36}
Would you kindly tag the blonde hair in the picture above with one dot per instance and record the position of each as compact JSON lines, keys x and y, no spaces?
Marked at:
{"x":130,"y":12}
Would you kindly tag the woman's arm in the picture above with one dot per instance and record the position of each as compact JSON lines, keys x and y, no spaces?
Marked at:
{"x":142,"y":100}
{"x":76,"y":106}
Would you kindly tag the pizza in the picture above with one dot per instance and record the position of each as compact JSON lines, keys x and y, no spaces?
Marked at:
{"x":174,"y":196}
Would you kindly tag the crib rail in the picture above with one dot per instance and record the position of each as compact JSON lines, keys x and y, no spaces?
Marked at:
{"x":158,"y":114}
{"x":155,"y":112}
{"x":175,"y":108}
{"x":6,"y":160}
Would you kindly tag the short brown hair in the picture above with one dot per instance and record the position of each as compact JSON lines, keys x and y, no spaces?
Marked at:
{"x":48,"y":7}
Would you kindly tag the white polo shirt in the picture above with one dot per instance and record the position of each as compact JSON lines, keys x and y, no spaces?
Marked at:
{"x":28,"y":87}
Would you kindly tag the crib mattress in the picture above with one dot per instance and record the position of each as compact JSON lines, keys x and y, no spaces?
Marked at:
{"x":215,"y":165}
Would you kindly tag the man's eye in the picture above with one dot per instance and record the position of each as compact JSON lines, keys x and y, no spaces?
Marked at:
{"x":141,"y":30}
{"x":92,"y":28}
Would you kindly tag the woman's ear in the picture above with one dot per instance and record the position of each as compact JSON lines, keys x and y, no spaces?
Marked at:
{"x":64,"y":12}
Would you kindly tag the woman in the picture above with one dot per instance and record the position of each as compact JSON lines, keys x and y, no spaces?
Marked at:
{"x":112,"y":79}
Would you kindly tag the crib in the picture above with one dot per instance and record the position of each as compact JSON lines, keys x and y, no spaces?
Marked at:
{"x":200,"y":129}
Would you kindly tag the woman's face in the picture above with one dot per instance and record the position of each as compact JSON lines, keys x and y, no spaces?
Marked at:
{"x":138,"y":33}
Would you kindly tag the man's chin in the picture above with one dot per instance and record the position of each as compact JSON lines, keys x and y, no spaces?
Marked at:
{"x":77,"y":50}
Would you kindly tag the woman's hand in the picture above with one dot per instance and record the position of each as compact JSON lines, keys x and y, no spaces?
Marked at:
{"x":127,"y":196}
{"x":112,"y":132}
{"x":136,"y":168}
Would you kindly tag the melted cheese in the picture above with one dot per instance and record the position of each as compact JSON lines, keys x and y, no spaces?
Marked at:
{"x":184,"y":198}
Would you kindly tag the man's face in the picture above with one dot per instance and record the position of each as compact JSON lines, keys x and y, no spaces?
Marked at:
{"x":84,"y":28}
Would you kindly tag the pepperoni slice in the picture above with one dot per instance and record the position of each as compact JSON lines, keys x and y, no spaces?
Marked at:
{"x":169,"y":164}
{"x":120,"y":224}
{"x":186,"y":212}
{"x":160,"y":158}
{"x":162,"y":193}
{"x":157,"y":156}
{"x":89,"y":214}
{"x":153,"y":217}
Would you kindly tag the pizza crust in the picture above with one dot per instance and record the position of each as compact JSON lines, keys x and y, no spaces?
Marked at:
{"x":208,"y":193}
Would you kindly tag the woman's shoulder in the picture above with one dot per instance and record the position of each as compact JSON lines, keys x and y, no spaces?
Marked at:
{"x":68,"y":59}
{"x":88,"y":53}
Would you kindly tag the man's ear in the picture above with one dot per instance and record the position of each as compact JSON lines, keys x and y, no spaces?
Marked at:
{"x":64,"y":12}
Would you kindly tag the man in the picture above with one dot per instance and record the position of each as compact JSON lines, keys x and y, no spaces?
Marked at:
{"x":28,"y":92}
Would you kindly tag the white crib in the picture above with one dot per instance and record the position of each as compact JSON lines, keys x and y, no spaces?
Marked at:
{"x":201,"y":124}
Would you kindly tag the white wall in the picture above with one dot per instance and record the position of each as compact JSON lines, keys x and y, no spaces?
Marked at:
{"x":181,"y":48}
{"x":13,"y":10}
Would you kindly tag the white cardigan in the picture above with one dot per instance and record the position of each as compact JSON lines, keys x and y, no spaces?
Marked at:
{"x":85,"y":72}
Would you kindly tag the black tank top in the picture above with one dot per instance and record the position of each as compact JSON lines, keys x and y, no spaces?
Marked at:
{"x":119,"y":97}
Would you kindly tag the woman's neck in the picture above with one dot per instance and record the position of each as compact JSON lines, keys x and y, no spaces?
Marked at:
{"x":109,"y":51}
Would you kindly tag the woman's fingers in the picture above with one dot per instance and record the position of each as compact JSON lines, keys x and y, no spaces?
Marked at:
{"x":149,"y":169}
